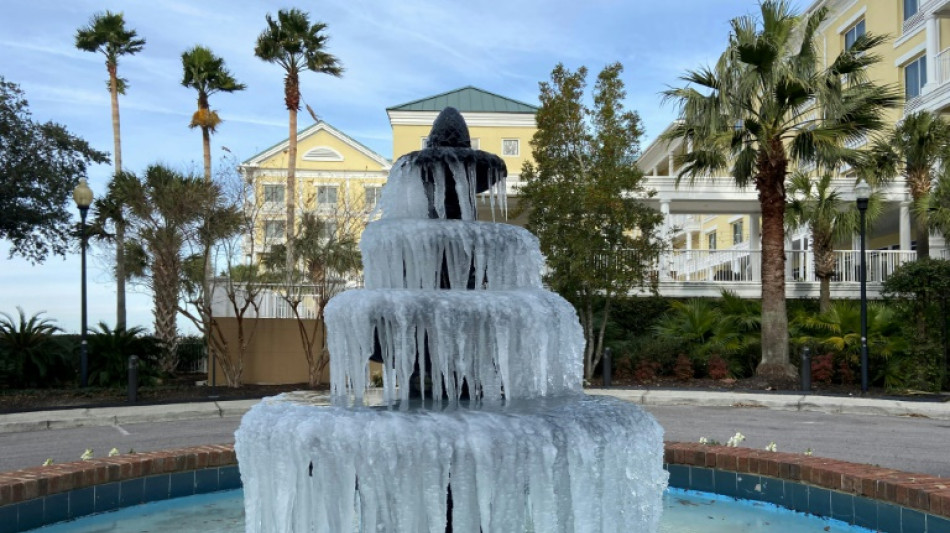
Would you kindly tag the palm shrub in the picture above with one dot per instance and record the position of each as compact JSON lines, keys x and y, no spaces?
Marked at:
{"x":838,"y":332}
{"x":30,"y":353}
{"x":109,"y":352}
{"x":728,"y":328}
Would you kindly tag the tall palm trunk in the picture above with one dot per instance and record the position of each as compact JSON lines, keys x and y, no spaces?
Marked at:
{"x":119,"y":224}
{"x":824,"y":269}
{"x":292,"y":99}
{"x":770,"y":182}
{"x":166,"y":284}
{"x":919,"y":182}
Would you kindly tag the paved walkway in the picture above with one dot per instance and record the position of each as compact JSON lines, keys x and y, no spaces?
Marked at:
{"x":111,"y":416}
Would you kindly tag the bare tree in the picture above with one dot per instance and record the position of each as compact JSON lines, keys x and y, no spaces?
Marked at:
{"x":327,"y":262}
{"x":234,"y":240}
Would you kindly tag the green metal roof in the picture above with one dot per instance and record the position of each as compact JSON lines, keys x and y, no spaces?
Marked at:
{"x":467,"y":99}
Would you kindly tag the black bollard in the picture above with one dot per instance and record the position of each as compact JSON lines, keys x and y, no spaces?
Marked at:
{"x":608,"y":367}
{"x":806,"y":369}
{"x":133,"y":377}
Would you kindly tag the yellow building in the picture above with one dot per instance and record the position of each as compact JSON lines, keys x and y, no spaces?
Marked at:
{"x":713,"y":226}
{"x":337,"y":178}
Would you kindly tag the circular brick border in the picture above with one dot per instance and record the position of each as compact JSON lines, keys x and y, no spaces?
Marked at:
{"x":191,"y":466}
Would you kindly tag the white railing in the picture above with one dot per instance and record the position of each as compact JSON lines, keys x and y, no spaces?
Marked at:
{"x":712,"y":265}
{"x":745,"y":265}
{"x":270,"y":301}
{"x":943,"y":66}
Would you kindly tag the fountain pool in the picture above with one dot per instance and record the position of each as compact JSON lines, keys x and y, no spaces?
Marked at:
{"x":683,"y":512}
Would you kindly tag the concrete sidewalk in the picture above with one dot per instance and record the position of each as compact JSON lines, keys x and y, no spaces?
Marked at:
{"x":111,"y":416}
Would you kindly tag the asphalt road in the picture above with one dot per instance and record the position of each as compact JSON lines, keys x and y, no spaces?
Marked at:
{"x":906,"y":443}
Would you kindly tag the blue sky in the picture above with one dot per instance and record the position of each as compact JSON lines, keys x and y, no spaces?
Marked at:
{"x":393,"y":52}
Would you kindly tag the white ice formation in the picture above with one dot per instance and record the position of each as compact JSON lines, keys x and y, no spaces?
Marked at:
{"x":527,"y":452}
{"x":559,"y":465}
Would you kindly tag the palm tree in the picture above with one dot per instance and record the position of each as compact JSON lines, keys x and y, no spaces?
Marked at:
{"x":166,"y":210}
{"x":755,"y":112}
{"x":816,"y":204}
{"x":297,"y":46}
{"x":206,"y":73}
{"x":915,"y":147}
{"x":106,"y":33}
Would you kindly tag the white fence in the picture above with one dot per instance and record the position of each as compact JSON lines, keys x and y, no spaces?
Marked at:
{"x":269,"y":300}
{"x":745,"y":265}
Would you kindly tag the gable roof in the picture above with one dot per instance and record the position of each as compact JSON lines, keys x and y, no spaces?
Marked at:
{"x":312,"y":130}
{"x":467,"y":99}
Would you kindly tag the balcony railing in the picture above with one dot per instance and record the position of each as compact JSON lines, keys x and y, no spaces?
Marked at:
{"x":745,"y":265}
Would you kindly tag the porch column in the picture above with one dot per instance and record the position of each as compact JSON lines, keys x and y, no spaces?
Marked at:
{"x":667,"y":236}
{"x":933,"y":48}
{"x":755,"y":247}
{"x":656,"y":171}
{"x":808,"y":269}
{"x":905,"y":225}
{"x":669,"y":157}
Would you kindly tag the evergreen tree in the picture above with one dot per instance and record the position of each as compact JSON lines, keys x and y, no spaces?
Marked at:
{"x":598,"y":239}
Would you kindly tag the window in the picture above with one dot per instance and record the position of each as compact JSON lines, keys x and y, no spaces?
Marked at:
{"x":852,"y":34}
{"x":329,"y":230}
{"x":910,"y":8}
{"x":509,"y":147}
{"x":322,"y":153}
{"x":274,"y":194}
{"x":424,"y":142}
{"x":737,"y":232}
{"x":372,"y":194}
{"x":326,"y":195}
{"x":274,"y":229}
{"x":475,"y":144}
{"x":711,"y":240}
{"x":915,"y":77}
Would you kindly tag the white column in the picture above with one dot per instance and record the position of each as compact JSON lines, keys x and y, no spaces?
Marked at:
{"x":669,"y":157}
{"x":656,"y":171}
{"x":905,"y":225}
{"x":667,"y":236}
{"x":933,"y":48}
{"x":755,"y":246}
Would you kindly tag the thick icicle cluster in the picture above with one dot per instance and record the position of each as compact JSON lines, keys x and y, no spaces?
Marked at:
{"x":527,"y":453}
{"x":513,"y":344}
{"x":571,"y":464}
{"x":418,"y":184}
{"x":411,"y":254}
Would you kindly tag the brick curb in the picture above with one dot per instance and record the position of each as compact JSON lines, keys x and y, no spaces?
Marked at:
{"x":40,"y":481}
{"x":927,"y":493}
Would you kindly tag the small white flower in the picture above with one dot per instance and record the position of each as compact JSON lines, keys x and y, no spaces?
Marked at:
{"x":703,"y":440}
{"x":735,"y":440}
{"x":771,"y":447}
{"x":48,"y":462}
{"x":808,"y":451}
{"x":86,"y":455}
{"x":113,"y":452}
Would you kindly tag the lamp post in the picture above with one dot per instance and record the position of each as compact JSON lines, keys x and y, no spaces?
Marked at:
{"x":82,"y":195}
{"x":862,"y":192}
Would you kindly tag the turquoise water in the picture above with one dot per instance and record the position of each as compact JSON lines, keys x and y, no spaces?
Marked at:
{"x":684,"y":512}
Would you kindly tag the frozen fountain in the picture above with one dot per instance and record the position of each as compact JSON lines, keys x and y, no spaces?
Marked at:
{"x":502,"y":437}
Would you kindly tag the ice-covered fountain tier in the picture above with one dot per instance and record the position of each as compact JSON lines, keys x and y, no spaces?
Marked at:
{"x":451,"y":301}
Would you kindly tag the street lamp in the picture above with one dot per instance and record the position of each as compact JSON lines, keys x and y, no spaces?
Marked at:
{"x":82,"y":194}
{"x":862,"y":192}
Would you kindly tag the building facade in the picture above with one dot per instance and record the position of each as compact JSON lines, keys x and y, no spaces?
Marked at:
{"x":713,"y":226}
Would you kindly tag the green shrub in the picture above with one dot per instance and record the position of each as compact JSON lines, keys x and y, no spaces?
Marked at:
{"x":109,"y":351}
{"x":30,"y":353}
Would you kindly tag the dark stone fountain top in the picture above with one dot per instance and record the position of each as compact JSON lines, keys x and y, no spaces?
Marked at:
{"x":449,"y":148}
{"x":450,"y":130}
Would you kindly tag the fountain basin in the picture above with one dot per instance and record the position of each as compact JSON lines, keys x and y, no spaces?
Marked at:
{"x":36,"y":496}
{"x":570,"y":463}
